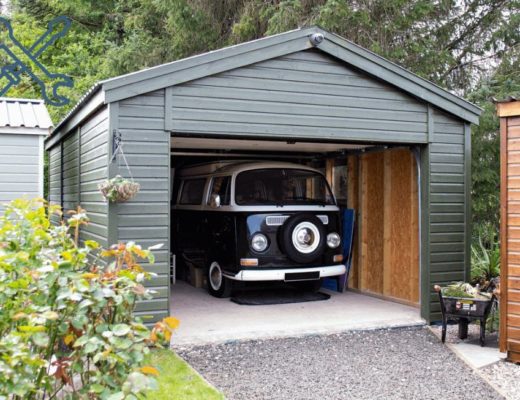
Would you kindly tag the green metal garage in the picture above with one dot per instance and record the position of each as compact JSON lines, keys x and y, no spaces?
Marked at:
{"x":305,"y":90}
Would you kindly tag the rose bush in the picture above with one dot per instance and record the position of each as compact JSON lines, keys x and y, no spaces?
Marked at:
{"x":67,"y":328}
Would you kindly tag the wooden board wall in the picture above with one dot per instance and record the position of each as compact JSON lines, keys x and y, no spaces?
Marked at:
{"x":510,"y":230}
{"x":383,"y":190}
{"x":371,"y":216}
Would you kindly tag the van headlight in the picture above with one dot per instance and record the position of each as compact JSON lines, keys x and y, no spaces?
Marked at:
{"x":259,"y":242}
{"x":333,"y":240}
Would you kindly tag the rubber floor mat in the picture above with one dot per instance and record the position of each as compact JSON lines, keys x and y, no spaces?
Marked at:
{"x":278,"y":296}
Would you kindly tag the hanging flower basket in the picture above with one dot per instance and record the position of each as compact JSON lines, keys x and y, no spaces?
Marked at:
{"x":118,"y":189}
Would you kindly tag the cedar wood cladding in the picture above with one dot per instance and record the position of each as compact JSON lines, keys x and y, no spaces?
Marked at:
{"x":291,"y":90}
{"x":509,"y":113}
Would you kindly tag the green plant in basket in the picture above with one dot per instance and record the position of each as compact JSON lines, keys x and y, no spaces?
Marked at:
{"x":464,"y":290}
{"x":119,"y":189}
{"x":67,"y":328}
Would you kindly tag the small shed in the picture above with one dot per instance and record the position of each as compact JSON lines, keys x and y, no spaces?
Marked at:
{"x":509,"y":113}
{"x":306,"y":94}
{"x":24,"y":124}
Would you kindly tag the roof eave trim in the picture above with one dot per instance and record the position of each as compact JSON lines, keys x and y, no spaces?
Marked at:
{"x":217,"y":61}
{"x":205,"y":58}
{"x":24,"y":130}
{"x":399,"y":71}
{"x":87,"y":106}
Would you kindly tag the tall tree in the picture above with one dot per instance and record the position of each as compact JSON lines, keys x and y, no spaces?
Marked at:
{"x":467,"y":46}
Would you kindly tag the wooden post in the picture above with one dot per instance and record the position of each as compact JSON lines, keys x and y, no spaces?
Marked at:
{"x":387,"y":224}
{"x":353,"y":202}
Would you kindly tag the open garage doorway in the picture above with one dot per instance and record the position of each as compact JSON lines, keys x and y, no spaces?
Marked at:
{"x":380,"y":182}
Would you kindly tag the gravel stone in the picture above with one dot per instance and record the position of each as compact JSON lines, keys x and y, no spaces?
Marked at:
{"x":505,"y":376}
{"x":391,"y":364}
{"x":452,"y":334}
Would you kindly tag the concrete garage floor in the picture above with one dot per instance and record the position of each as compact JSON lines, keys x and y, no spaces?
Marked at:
{"x":206,"y":319}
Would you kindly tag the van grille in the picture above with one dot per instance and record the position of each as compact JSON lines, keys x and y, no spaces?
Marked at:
{"x":278,"y":220}
{"x":275,"y":220}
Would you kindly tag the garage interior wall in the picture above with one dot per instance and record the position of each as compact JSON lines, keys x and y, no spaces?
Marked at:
{"x":384,"y":192}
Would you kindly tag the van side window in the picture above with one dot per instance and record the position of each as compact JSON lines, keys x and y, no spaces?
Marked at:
{"x":221,"y":185}
{"x":192,"y":191}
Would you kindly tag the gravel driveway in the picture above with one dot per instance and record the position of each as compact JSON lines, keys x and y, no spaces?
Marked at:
{"x":384,"y":364}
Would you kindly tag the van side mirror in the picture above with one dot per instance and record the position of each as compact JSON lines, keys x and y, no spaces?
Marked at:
{"x":214,"y":201}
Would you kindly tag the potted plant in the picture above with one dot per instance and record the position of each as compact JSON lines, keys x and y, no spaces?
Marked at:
{"x":119,"y":189}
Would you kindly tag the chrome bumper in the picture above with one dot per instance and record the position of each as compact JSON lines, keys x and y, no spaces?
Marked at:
{"x":255,"y":275}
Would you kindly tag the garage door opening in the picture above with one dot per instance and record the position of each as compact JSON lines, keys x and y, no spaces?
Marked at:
{"x":378,"y":181}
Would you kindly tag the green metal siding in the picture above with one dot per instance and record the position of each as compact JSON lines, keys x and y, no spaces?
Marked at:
{"x":70,"y":180}
{"x":19,"y":167}
{"x":77,"y":164}
{"x":93,"y":148}
{"x":146,"y":218}
{"x":302,"y":95}
{"x":448,"y":258}
{"x":55,"y":178}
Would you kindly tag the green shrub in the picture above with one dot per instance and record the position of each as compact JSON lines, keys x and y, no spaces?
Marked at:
{"x":485,"y":262}
{"x":66,"y":323}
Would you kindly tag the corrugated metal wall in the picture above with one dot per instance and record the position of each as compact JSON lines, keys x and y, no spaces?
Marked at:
{"x":146,"y":218}
{"x":20,"y":171}
{"x":305,"y":94}
{"x":448,"y":239}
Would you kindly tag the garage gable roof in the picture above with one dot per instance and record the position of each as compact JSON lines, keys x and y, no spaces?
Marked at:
{"x":240,"y":55}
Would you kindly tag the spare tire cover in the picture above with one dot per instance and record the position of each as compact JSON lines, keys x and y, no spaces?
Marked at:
{"x":303,"y":238}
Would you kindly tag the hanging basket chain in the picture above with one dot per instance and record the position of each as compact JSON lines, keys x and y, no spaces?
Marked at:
{"x":119,"y":189}
{"x":119,"y":149}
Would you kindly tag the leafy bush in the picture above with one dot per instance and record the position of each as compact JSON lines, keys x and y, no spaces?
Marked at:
{"x":485,"y":262}
{"x":66,"y":323}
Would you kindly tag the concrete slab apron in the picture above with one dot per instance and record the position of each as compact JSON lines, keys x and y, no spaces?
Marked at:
{"x":205,"y":319}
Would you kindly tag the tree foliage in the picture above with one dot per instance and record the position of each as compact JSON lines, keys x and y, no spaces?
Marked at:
{"x":467,"y":46}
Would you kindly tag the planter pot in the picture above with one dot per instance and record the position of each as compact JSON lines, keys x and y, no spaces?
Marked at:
{"x":118,"y":189}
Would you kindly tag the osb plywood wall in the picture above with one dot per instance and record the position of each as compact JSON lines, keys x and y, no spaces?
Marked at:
{"x":510,"y":229}
{"x":383,"y":191}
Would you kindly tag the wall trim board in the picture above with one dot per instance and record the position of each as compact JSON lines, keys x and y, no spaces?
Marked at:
{"x":503,"y":232}
{"x":467,"y":195}
{"x":112,"y":170}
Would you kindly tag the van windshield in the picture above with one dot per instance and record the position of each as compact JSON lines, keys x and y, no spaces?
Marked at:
{"x":281,"y":186}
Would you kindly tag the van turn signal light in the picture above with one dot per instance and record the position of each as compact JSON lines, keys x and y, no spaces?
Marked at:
{"x":338,"y":258}
{"x":249,"y":262}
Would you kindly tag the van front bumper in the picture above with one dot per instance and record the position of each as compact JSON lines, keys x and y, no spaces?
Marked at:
{"x":256,"y":275}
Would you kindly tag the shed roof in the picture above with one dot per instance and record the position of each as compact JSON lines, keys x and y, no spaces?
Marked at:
{"x":213,"y":62}
{"x":28,"y":116}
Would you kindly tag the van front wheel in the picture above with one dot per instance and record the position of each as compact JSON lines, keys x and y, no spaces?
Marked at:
{"x":218,"y":284}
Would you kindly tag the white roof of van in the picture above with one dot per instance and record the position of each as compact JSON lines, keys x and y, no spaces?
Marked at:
{"x":230,"y":167}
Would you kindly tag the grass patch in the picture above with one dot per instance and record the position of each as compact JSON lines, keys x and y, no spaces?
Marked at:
{"x":177,"y":380}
